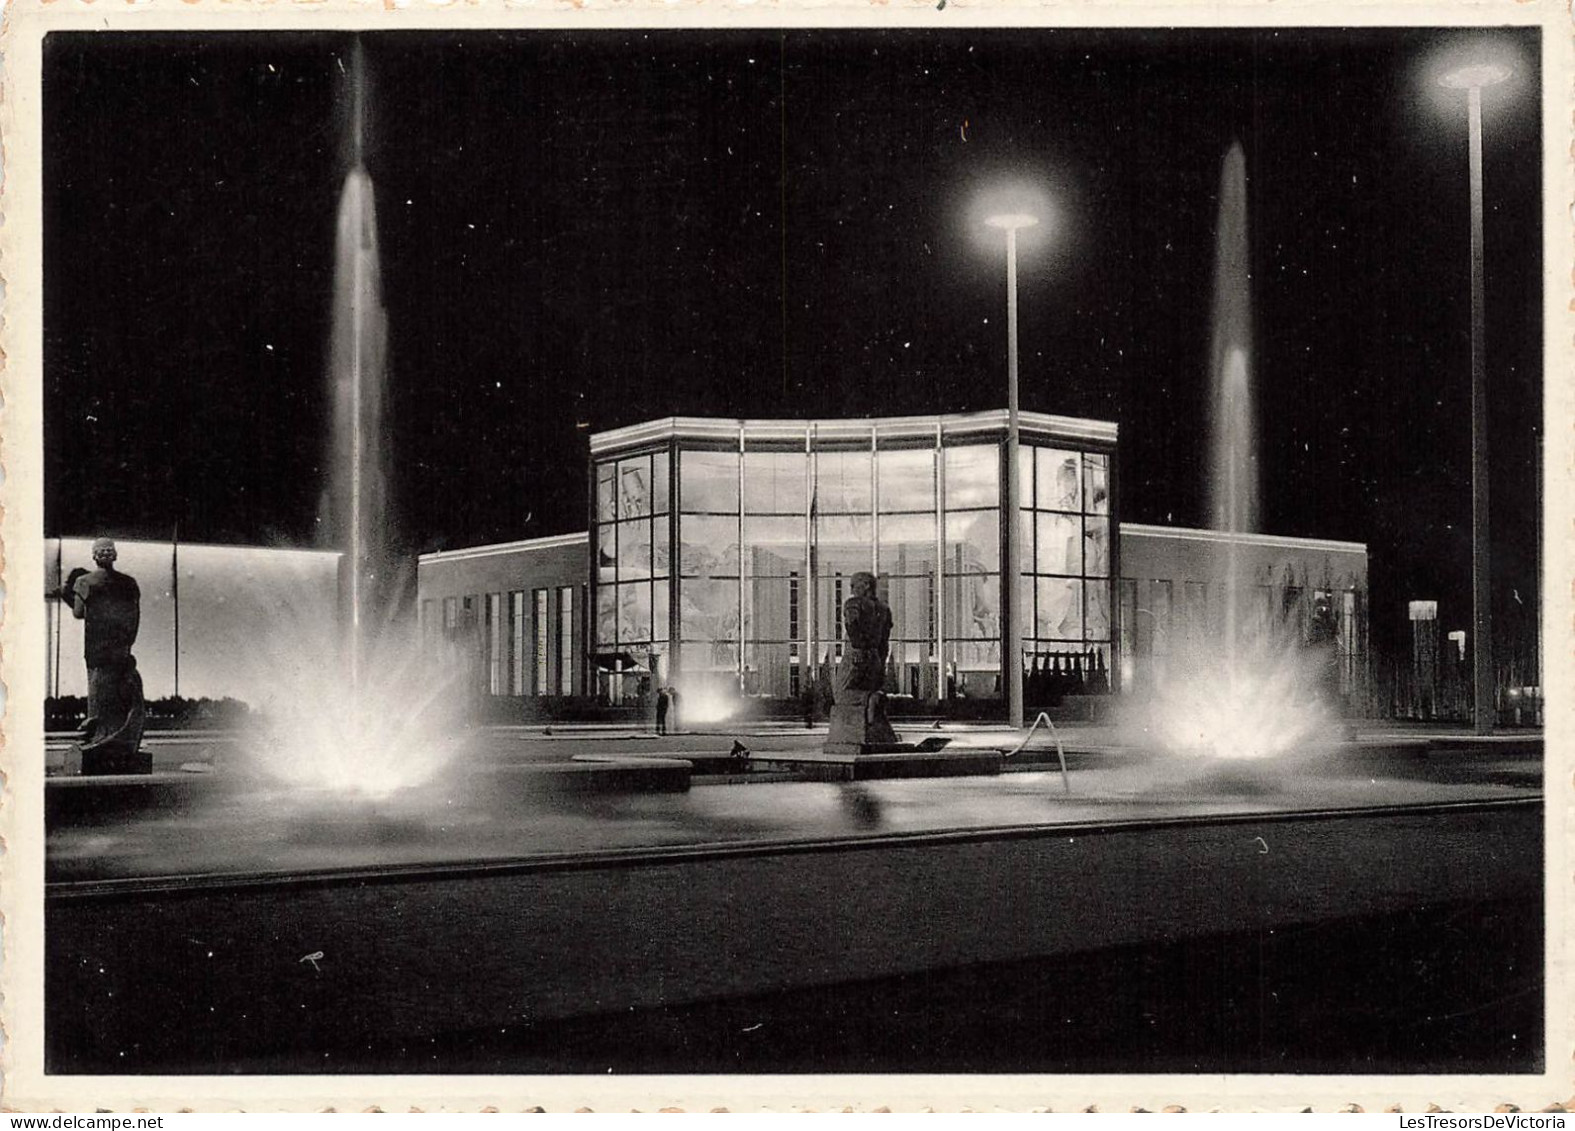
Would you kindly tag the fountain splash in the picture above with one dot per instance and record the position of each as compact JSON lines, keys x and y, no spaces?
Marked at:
{"x":1251,"y":692}
{"x":356,"y":704}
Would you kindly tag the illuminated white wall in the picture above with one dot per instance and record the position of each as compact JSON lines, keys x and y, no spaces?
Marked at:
{"x":228,"y":594}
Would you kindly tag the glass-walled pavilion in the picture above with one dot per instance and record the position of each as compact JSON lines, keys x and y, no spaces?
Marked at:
{"x":722,"y":550}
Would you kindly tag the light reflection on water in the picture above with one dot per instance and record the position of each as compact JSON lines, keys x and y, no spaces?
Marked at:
{"x":252,"y":830}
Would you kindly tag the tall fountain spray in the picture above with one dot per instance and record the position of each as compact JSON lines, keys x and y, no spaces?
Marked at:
{"x":357,"y":705}
{"x":1233,"y":465}
{"x":1245,"y":691}
{"x":358,"y":521}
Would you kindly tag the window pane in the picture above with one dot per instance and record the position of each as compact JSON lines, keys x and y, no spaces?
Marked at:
{"x":907,"y":480}
{"x":539,"y":607}
{"x":1058,"y":487}
{"x":973,"y":607}
{"x":1096,"y":483}
{"x":843,"y":543}
{"x":710,"y":546}
{"x":842,"y":481}
{"x":606,"y":508}
{"x":774,"y":483}
{"x":709,"y":481}
{"x":973,"y":542}
{"x":634,"y":550}
{"x":1060,"y":612}
{"x":1060,"y":543}
{"x":767,"y":609}
{"x":606,"y":616}
{"x":1096,"y":547}
{"x":774,"y":546}
{"x":659,"y":483}
{"x":634,"y":487}
{"x":766,"y":669}
{"x":566,"y":641}
{"x":710,"y":610}
{"x":973,"y":476}
{"x":912,"y":607}
{"x":634,"y":613}
{"x":661,"y":552}
{"x":715,"y":657}
{"x":907,"y":544}
{"x":1096,"y":622}
{"x":661,"y":592}
{"x":606,"y":553}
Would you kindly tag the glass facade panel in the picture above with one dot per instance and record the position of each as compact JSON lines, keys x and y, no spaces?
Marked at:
{"x":661,"y":548}
{"x":607,"y":553}
{"x":907,"y":481}
{"x":973,"y":542}
{"x":907,"y":544}
{"x":709,"y":610}
{"x":1057,"y":482}
{"x":767,"y":669}
{"x":843,"y":543}
{"x":634,"y":487}
{"x":912,"y":601}
{"x":606,"y":495}
{"x":709,"y":657}
{"x":973,"y":607}
{"x":606,"y":616}
{"x":708,"y":482}
{"x":1025,"y":475}
{"x":768,"y":608}
{"x":1060,"y":609}
{"x":659,"y":483}
{"x":634,"y":550}
{"x":710,"y":546}
{"x":1096,"y":547}
{"x":634,"y":613}
{"x":774,"y":483}
{"x":973,"y":476}
{"x":661,"y":624}
{"x":1096,"y":483}
{"x":1060,"y":544}
{"x":842,"y":482}
{"x":1096,"y":611}
{"x":775,"y":545}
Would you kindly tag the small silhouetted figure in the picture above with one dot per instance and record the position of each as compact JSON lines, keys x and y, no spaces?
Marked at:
{"x":662,"y":701}
{"x":673,"y":703}
{"x":109,"y":603}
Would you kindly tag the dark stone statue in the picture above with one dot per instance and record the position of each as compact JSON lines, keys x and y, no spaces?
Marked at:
{"x":110,"y":605}
{"x":858,"y":713}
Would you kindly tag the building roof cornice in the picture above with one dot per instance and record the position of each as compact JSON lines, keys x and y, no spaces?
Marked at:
{"x":1035,"y":425}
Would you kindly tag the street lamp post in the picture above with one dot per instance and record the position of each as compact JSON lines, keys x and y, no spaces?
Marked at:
{"x":1472,"y":78}
{"x":1011,"y":222}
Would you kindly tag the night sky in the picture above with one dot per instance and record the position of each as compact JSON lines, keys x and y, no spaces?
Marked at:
{"x":584,"y":230}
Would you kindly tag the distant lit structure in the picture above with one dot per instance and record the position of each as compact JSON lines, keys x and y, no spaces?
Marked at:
{"x":719,"y":553}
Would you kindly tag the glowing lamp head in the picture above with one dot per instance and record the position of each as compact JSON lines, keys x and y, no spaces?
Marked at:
{"x":1474,"y":76}
{"x":1011,"y":221}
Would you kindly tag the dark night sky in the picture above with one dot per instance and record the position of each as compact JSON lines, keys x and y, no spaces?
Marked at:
{"x":585,"y":230}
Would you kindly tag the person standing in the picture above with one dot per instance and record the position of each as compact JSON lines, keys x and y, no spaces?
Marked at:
{"x":661,"y":710}
{"x":109,"y":603}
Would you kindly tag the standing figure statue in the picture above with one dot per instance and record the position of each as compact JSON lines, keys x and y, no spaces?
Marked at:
{"x":109,"y":604}
{"x":858,"y":714}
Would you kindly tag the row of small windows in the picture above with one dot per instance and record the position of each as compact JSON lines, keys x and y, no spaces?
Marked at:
{"x":521,"y":642}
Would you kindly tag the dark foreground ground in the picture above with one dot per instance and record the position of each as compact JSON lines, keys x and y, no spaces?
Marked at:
{"x":1451,"y":990}
{"x":1395,"y":927}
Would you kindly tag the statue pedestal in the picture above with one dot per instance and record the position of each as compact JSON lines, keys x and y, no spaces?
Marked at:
{"x":859,"y":724}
